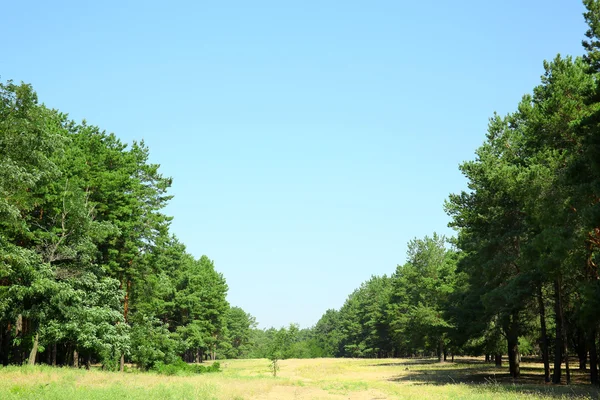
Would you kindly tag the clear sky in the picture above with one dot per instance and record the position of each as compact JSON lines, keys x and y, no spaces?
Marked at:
{"x":309,"y":141}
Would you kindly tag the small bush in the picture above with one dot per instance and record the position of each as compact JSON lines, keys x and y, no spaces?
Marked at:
{"x":274,"y":365}
{"x":201,"y":369}
{"x":180,"y":368}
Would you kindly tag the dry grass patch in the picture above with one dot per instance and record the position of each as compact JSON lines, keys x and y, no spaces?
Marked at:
{"x":335,"y":379}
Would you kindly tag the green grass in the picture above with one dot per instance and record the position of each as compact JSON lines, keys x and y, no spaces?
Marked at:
{"x":297,"y":379}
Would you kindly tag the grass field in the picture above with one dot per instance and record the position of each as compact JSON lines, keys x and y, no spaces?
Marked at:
{"x":297,"y":379}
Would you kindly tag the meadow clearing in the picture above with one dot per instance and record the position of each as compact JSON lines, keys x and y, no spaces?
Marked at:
{"x":356,"y":379}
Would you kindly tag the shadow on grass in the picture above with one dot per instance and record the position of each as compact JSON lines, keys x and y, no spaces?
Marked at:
{"x":406,"y":362}
{"x":487,"y":377}
{"x":430,"y":361}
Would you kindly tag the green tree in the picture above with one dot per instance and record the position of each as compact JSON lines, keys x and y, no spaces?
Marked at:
{"x":201,"y":302}
{"x":328,"y":335}
{"x":239,"y":325}
{"x":420,"y":290}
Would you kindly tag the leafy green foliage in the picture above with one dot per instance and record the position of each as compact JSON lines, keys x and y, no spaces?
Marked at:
{"x":88,"y":269}
{"x":274,"y":364}
{"x":237,"y":333}
{"x":151,"y":343}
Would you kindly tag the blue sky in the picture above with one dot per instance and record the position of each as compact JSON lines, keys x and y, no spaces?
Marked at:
{"x":309,"y":141}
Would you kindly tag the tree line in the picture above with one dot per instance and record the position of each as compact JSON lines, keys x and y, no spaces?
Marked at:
{"x":89,"y":272}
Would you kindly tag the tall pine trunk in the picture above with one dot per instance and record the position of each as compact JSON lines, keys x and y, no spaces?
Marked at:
{"x":558,"y":345}
{"x":591,"y":339}
{"x":566,"y":352}
{"x":513,"y":356}
{"x":565,"y":338}
{"x":17,"y":350}
{"x":75,"y":358}
{"x":544,"y":338}
{"x":5,"y":345}
{"x":582,"y":356}
{"x":125,"y":315}
{"x":54,"y":354}
{"x":214,"y":348}
{"x":592,"y":275}
{"x":580,"y":346}
{"x":34,"y":349}
{"x":512,"y":340}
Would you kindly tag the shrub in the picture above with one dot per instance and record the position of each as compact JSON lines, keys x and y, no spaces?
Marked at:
{"x":181,"y":368}
{"x":152,"y":343}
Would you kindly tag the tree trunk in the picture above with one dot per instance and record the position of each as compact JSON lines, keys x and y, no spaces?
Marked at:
{"x":440,"y":350}
{"x":544,"y":338}
{"x":34,"y":349}
{"x":214,"y":347}
{"x":566,"y":354}
{"x":580,"y":346}
{"x":487,"y":358}
{"x":565,"y":338}
{"x":582,"y":355}
{"x":498,"y":360}
{"x":198,"y":356}
{"x":5,"y":345}
{"x":558,"y":345}
{"x":452,"y":357}
{"x":54,"y":355}
{"x":75,"y":358}
{"x":68,"y":356}
{"x":17,"y":353}
{"x":125,"y":315}
{"x":513,"y":355}
{"x":126,"y":300}
{"x":593,"y":357}
{"x":511,"y":329}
